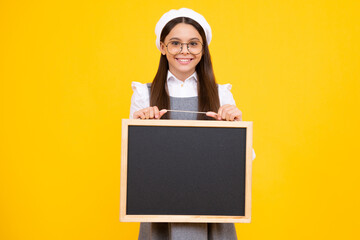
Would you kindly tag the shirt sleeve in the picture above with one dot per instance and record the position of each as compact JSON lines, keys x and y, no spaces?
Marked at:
{"x":226,"y":97}
{"x":140,"y":97}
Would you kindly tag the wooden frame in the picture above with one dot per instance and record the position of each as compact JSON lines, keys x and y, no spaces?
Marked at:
{"x":124,"y":217}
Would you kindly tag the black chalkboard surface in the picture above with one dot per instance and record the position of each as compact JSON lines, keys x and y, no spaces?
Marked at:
{"x":186,"y":171}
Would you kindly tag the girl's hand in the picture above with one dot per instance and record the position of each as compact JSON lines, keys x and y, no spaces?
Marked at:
{"x":227,"y":112}
{"x":149,"y":113}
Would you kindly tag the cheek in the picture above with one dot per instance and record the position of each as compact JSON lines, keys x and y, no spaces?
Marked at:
{"x":198,"y":59}
{"x":169,"y":58}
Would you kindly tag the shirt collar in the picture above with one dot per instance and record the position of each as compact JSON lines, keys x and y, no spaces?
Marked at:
{"x":171,"y":77}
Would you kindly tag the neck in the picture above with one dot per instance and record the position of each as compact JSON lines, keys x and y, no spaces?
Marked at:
{"x":182,"y":76}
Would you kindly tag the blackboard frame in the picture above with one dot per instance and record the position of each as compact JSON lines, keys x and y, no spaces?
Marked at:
{"x":125,"y":217}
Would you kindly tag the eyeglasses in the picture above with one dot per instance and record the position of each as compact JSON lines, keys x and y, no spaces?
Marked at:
{"x":175,"y":47}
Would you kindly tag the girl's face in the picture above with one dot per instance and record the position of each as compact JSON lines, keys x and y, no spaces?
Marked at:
{"x":183,"y":64}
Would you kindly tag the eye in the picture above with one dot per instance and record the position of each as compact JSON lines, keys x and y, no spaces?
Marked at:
{"x":194,"y":44}
{"x":175,"y":43}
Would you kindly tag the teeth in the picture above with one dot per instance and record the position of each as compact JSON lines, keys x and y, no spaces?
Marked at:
{"x":184,"y":60}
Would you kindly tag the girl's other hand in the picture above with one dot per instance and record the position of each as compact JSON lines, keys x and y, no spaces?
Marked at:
{"x":149,"y":113}
{"x":227,"y":112}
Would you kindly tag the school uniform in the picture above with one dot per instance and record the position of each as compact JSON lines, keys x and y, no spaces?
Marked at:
{"x":178,"y":89}
{"x":183,"y":96}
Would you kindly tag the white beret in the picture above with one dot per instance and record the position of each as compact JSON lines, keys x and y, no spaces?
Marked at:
{"x":182,"y":12}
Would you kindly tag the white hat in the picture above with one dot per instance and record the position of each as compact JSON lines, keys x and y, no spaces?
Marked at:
{"x":182,"y":12}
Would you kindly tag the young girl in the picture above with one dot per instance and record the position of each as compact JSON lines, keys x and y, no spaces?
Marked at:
{"x":184,"y":81}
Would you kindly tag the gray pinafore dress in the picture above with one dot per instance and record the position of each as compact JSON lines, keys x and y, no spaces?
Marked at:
{"x":186,"y":231}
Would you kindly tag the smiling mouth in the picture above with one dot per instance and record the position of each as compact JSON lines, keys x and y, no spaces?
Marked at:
{"x":184,"y":60}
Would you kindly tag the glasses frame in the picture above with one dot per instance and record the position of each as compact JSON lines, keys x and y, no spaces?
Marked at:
{"x":187,"y":46}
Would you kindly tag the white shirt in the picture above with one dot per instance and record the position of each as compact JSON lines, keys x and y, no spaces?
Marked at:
{"x":177,"y":88}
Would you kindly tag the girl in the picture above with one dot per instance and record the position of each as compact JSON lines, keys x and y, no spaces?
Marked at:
{"x":184,"y":81}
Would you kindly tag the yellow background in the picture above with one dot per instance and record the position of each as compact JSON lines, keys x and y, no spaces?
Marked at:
{"x":66,"y":69}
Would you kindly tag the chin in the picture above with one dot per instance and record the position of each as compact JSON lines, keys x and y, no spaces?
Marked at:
{"x":186,"y":69}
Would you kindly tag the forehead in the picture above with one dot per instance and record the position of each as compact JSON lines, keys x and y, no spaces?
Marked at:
{"x":183,"y":32}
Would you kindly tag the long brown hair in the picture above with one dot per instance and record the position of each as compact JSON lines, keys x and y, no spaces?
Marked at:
{"x":208,"y":98}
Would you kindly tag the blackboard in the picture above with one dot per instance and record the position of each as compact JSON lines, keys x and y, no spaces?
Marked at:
{"x":186,"y":171}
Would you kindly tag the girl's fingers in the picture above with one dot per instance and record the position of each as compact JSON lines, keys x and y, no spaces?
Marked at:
{"x":212,"y":114}
{"x":225,"y":111}
{"x":156,"y":112}
{"x":139,"y":115}
{"x":229,"y":113}
{"x":162,"y":112}
{"x":151,"y":112}
{"x":135,"y":115}
{"x":147,"y":113}
{"x":220,"y":111}
{"x":232,"y":115}
{"x":238,"y":117}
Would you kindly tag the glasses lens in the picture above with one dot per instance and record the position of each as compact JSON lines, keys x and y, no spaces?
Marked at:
{"x":195,"y":47}
{"x":174,"y":47}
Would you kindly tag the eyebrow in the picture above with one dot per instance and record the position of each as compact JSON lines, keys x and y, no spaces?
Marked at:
{"x":175,"y":38}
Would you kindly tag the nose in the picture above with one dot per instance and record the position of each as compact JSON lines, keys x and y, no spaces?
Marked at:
{"x":184,"y":49}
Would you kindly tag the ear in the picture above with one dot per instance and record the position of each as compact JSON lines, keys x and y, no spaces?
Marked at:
{"x":162,"y":48}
